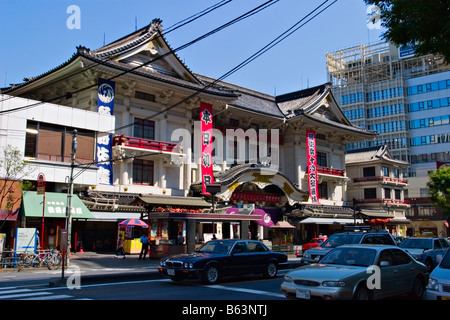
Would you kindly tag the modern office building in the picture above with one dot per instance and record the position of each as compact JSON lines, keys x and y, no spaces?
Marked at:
{"x":404,"y":98}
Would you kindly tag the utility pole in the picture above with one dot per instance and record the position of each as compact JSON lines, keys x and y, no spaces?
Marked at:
{"x":70,"y":194}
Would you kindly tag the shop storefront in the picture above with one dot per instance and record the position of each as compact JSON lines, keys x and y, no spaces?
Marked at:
{"x":195,"y":228}
{"x":53,"y":213}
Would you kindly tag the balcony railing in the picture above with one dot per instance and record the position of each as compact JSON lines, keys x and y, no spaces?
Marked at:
{"x":143,"y":143}
{"x":331,"y":171}
{"x":384,"y":201}
{"x":383,"y":179}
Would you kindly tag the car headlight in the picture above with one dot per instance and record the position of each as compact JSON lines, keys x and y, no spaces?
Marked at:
{"x":288,"y":279}
{"x":188,"y":265}
{"x":307,"y":255}
{"x":333,"y":283}
{"x":433,"y":284}
{"x":162,"y":262}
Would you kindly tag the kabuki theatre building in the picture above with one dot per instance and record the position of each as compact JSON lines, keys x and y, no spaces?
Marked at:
{"x":178,"y":150}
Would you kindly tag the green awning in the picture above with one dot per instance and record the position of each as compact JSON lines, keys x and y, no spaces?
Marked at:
{"x":55,"y":205}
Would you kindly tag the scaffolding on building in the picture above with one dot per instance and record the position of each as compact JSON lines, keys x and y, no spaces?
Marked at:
{"x":369,"y":82}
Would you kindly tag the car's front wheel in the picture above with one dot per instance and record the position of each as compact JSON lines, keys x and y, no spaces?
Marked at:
{"x":271,"y":270}
{"x":362,"y":293}
{"x":211,"y":275}
{"x":418,"y":289}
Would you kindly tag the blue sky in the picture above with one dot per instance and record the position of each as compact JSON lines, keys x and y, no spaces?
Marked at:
{"x":35,"y":38}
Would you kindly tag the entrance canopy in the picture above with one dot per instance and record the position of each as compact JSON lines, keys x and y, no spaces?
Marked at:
{"x":55,"y":205}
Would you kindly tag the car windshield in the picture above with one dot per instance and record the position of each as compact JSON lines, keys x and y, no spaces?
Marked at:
{"x":350,"y":256}
{"x":416,"y":243}
{"x":336,"y":240}
{"x":445,"y":263}
{"x":216,"y":246}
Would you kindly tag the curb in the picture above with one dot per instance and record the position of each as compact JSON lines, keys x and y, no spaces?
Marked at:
{"x":134,"y":276}
{"x":102,"y":278}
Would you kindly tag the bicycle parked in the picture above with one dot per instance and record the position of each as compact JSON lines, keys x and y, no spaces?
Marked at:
{"x":51,"y":259}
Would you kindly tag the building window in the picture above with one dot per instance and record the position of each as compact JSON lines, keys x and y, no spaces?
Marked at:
{"x":370,"y":193}
{"x":54,"y":143}
{"x":144,"y":96}
{"x":387,"y":193}
{"x":321,"y":159}
{"x":323,"y":190}
{"x":424,"y":192}
{"x":144,"y":129}
{"x":143,"y":172}
{"x":386,"y":171}
{"x":369,"y":172}
{"x":398,"y":194}
{"x":31,"y":139}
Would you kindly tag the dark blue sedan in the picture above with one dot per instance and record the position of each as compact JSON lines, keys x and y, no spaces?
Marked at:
{"x":219,"y":258}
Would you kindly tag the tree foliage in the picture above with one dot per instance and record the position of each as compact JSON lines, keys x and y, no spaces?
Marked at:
{"x":424,"y":21}
{"x":12,"y":171}
{"x":439,"y":189}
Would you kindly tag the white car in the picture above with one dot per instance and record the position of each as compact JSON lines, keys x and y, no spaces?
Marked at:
{"x":439,"y":283}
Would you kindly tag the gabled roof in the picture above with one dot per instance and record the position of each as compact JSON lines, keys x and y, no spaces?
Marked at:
{"x":372,"y":154}
{"x":144,"y":52}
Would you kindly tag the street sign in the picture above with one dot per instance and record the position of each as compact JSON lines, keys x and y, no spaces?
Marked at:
{"x":40,"y":184}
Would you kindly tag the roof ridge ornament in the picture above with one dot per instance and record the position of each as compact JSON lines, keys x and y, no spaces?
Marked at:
{"x":82,"y":49}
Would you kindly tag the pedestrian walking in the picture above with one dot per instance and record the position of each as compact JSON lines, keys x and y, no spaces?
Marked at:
{"x":144,"y":249}
{"x":180,"y":239}
{"x":120,"y":250}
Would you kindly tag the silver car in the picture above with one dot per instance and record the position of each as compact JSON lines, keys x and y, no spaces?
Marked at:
{"x":360,"y":272}
{"x":439,"y":284}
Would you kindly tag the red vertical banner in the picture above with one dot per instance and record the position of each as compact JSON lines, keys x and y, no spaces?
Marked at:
{"x":312,"y":165}
{"x":206,"y":119}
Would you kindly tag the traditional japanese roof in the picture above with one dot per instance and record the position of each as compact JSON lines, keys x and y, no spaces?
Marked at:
{"x":144,"y":52}
{"x":372,"y":154}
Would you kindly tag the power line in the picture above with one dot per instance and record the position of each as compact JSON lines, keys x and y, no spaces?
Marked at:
{"x":196,"y":16}
{"x":241,"y":17}
{"x":271,"y":44}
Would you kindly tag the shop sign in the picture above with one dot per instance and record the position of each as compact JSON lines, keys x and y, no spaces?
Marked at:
{"x":312,"y":165}
{"x":105,"y":105}
{"x":206,"y":120}
{"x":26,"y":240}
{"x":252,"y":196}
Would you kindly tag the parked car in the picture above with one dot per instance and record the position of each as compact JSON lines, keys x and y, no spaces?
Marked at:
{"x":439,"y":284}
{"x":218,"y":258}
{"x":426,"y":249}
{"x":360,"y":272}
{"x":341,"y":238}
{"x":314,"y":243}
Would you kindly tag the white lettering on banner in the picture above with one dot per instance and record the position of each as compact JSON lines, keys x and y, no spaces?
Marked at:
{"x":312,"y":165}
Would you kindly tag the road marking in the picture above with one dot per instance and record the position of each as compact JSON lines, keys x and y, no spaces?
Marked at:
{"x":21,"y":295}
{"x":50,"y":297}
{"x":252,"y":291}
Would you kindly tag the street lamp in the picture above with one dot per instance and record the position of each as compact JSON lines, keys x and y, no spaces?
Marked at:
{"x":213,"y":189}
{"x":70,"y":194}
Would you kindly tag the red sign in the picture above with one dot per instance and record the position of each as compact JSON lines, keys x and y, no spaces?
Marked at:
{"x":253,"y":196}
{"x":312,"y":165}
{"x":40,"y":184}
{"x":206,"y":120}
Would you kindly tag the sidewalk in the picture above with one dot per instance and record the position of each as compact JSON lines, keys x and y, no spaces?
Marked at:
{"x":93,"y":260}
{"x":101,"y":267}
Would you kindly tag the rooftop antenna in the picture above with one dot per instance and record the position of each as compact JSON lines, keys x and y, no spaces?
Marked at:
{"x":135,"y":23}
{"x":104,"y":38}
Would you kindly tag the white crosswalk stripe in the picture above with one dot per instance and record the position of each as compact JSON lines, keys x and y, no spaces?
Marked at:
{"x":15,"y":293}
